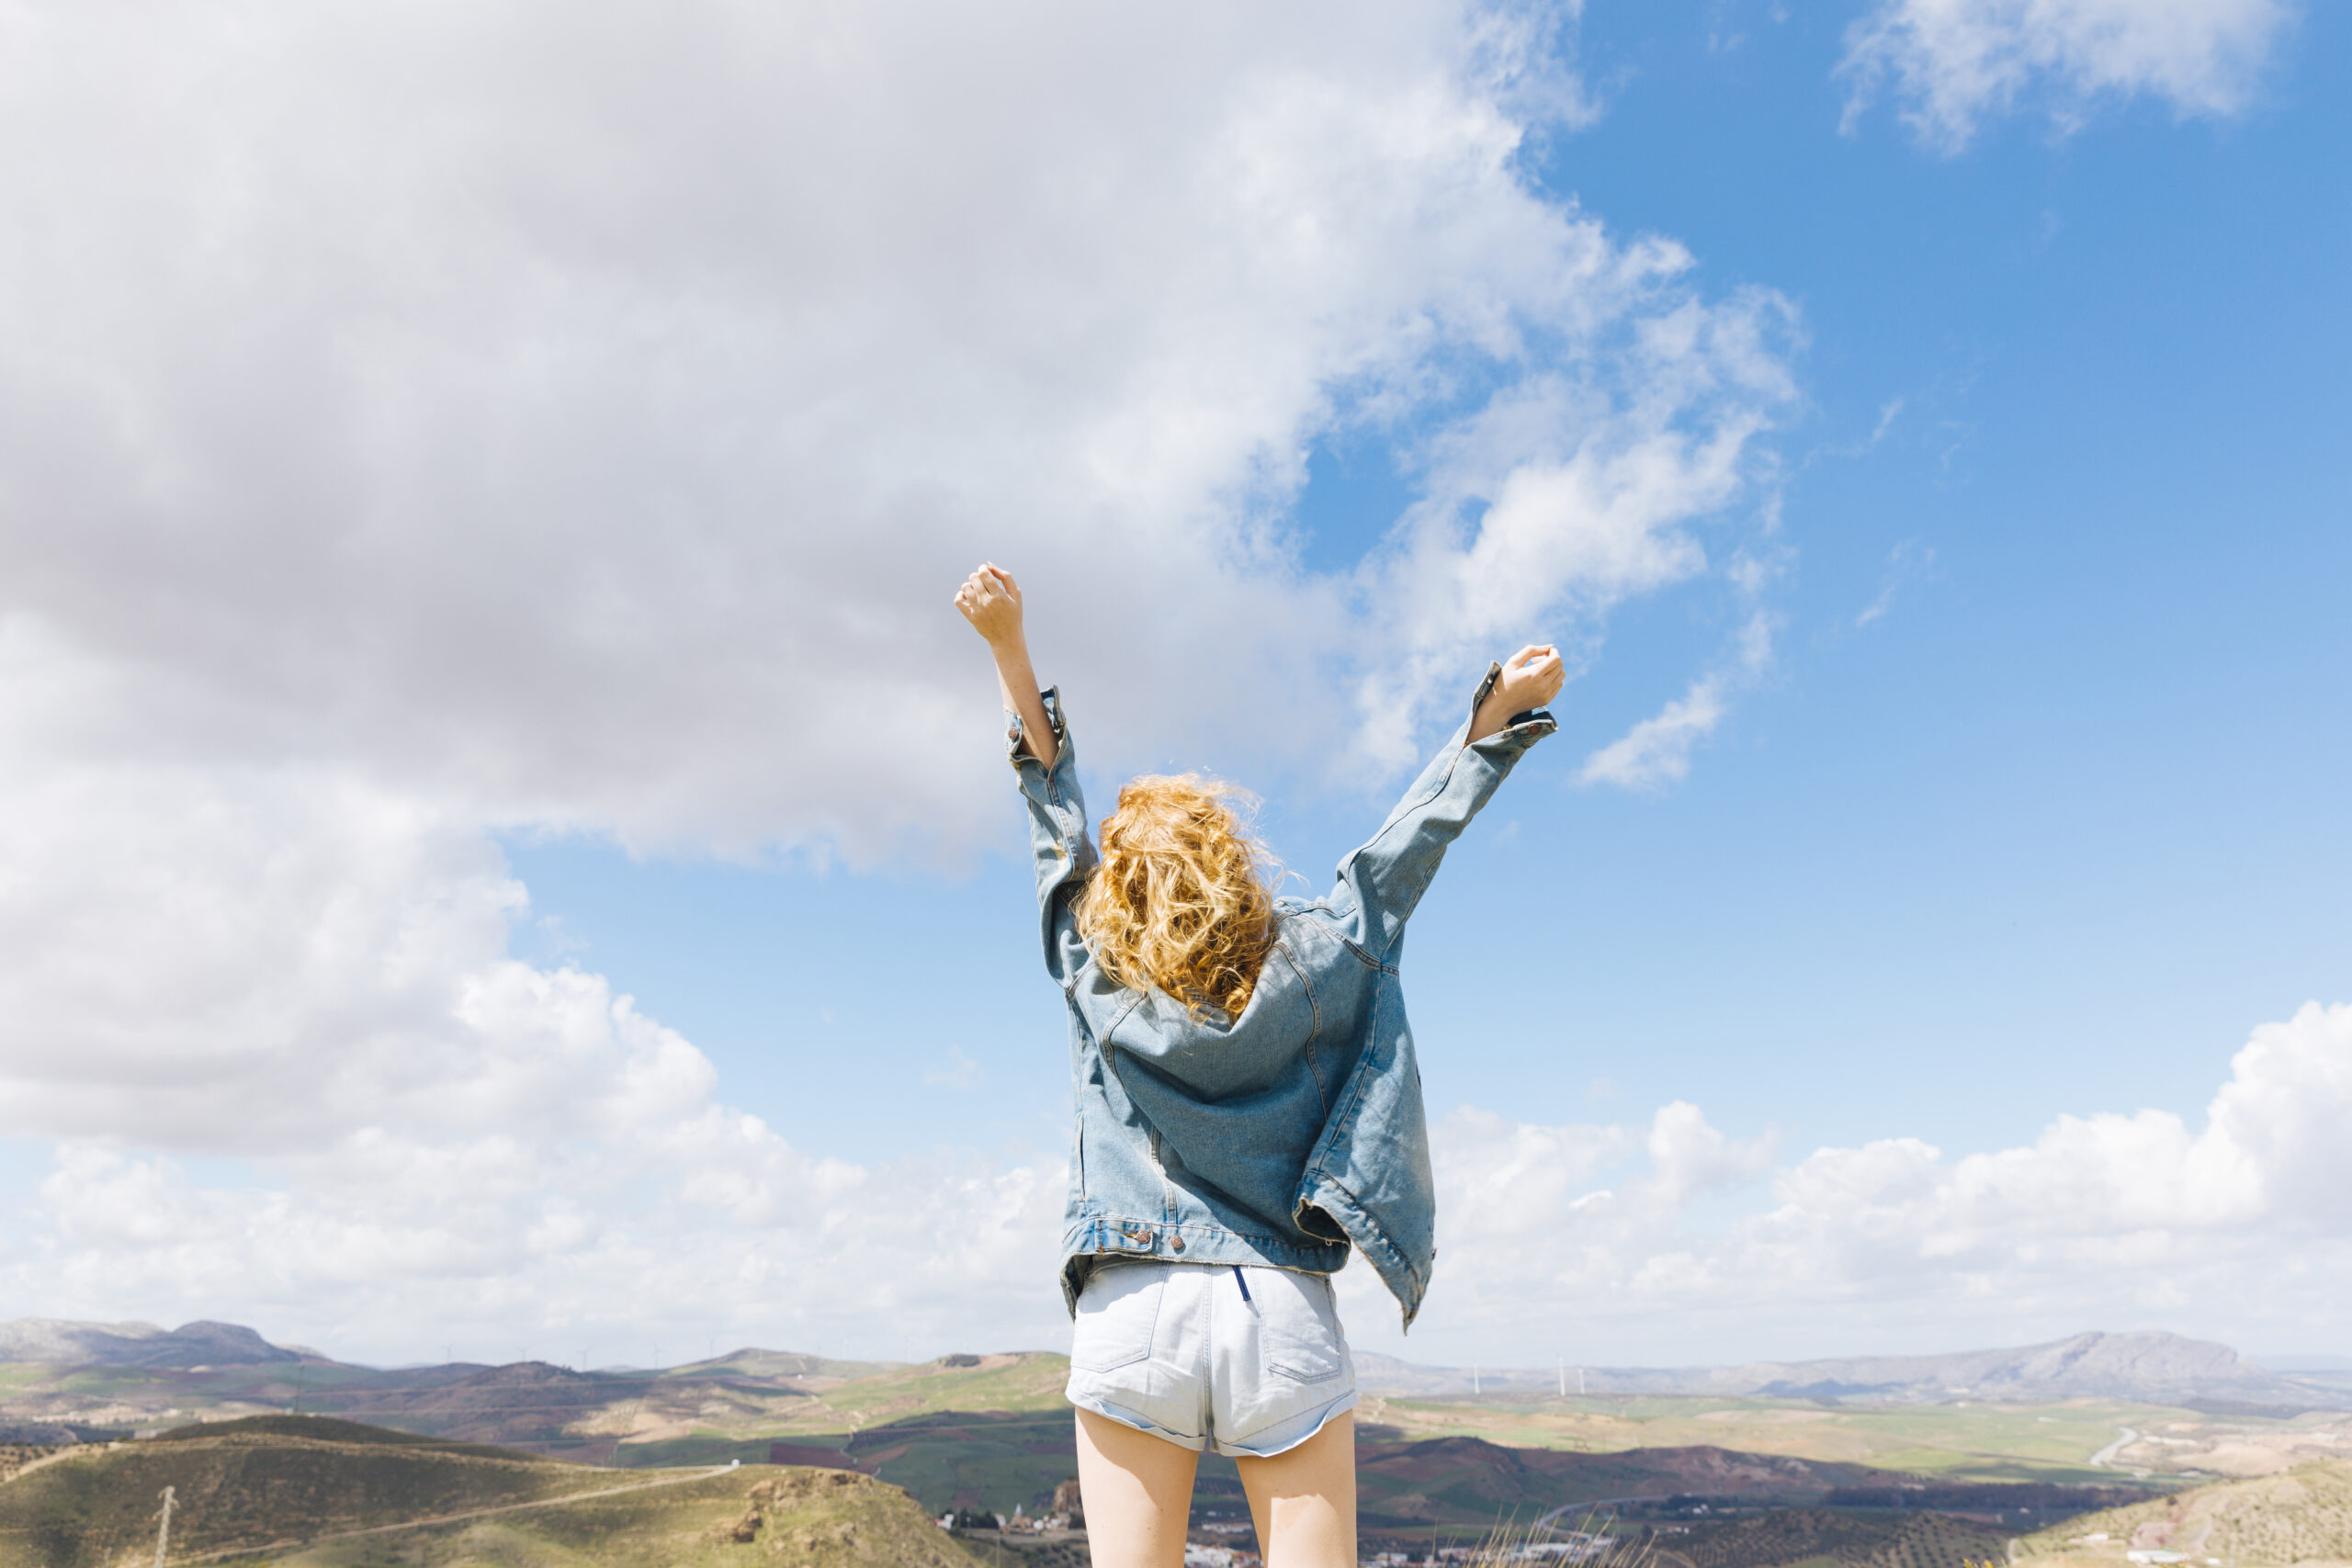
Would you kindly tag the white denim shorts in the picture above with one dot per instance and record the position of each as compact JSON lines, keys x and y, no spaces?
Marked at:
{"x":1246,"y":1360}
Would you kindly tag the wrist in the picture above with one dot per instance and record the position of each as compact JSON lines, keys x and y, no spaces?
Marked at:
{"x":1493,"y":714}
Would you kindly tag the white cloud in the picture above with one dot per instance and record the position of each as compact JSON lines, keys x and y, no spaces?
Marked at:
{"x":1954,"y":63}
{"x":429,"y":421}
{"x":1906,"y":561}
{"x":424,"y":1132}
{"x":2241,"y":1228}
{"x":389,"y":1249}
{"x":572,"y":422}
{"x":1657,"y":750}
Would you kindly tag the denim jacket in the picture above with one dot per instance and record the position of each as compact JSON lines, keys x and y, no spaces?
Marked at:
{"x":1283,"y":1135}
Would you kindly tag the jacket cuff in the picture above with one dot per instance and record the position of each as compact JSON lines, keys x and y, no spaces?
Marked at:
{"x":1013,"y":730}
{"x":1524,"y":728}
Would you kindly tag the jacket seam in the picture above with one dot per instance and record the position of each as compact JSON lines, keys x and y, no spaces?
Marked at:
{"x":1135,"y":1000}
{"x":1344,"y":1119}
{"x":1314,"y":1031}
{"x":1444,"y":783}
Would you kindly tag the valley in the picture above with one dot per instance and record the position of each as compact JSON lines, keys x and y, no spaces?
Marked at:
{"x":258,"y":1438}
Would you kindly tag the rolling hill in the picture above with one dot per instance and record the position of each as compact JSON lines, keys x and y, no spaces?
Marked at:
{"x":310,"y":1490}
{"x":247,"y":1482}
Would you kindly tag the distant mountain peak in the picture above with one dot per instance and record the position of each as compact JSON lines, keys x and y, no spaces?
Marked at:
{"x":198,"y":1344}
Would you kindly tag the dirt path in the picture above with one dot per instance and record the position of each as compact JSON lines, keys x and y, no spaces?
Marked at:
{"x":228,"y":1552}
{"x":46,"y":1460}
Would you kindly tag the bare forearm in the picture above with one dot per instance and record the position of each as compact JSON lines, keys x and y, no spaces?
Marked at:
{"x":1018,"y":680}
{"x":1530,"y":678}
{"x":1490,"y":720}
{"x":990,"y":599}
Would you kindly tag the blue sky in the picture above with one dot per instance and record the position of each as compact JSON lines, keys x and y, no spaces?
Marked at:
{"x":2047,"y":832}
{"x":553,"y":608}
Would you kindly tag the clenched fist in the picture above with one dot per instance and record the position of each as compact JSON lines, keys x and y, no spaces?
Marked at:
{"x":990,"y":599}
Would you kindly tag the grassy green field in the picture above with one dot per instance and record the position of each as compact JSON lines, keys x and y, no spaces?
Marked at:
{"x":1957,"y":1442}
{"x":1032,"y":1380}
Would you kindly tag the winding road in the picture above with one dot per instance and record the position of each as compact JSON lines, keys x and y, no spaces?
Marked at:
{"x":2105,"y":1458}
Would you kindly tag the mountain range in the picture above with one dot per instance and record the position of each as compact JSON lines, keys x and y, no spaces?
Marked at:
{"x":2150,"y":1368}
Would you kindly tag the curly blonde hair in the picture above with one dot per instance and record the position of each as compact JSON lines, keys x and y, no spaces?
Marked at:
{"x":1181,"y":900}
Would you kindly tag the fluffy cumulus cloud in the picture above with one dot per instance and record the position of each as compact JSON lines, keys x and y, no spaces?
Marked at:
{"x":431,"y":420}
{"x":567,"y":419}
{"x":1953,"y":62}
{"x":1596,"y":1236}
{"x":295,"y":1077}
{"x":626,"y":1204}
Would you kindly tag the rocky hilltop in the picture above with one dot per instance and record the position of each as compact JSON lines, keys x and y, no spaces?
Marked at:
{"x":2303,"y":1516}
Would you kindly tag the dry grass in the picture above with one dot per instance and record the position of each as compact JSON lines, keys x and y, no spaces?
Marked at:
{"x":1512,"y":1545}
{"x":2303,"y":1516}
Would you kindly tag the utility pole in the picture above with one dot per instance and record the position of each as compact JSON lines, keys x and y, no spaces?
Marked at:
{"x":164,"y":1533}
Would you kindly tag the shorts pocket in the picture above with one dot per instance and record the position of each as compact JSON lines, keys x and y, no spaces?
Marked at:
{"x":1298,"y":1325}
{"x":1117,"y":1314}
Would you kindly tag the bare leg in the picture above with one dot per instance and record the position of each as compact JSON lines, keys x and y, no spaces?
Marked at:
{"x":1139,"y":1492}
{"x":1304,"y":1500}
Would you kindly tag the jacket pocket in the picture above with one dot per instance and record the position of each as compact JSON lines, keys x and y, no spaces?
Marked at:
{"x":1299,"y":1336}
{"x":1118,"y":1313}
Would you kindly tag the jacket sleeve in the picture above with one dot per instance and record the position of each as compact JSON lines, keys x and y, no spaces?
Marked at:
{"x":1381,"y":884}
{"x":1057,"y":839}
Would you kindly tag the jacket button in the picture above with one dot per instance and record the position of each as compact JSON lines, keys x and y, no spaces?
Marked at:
{"x":1175,"y":1244}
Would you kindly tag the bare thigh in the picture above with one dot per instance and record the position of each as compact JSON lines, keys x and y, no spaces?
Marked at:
{"x":1138,"y":1492}
{"x":1304,"y":1500}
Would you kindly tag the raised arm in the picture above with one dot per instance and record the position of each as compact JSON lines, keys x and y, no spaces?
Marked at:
{"x":1386,"y":878}
{"x":990,"y":599}
{"x":1045,"y":762}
